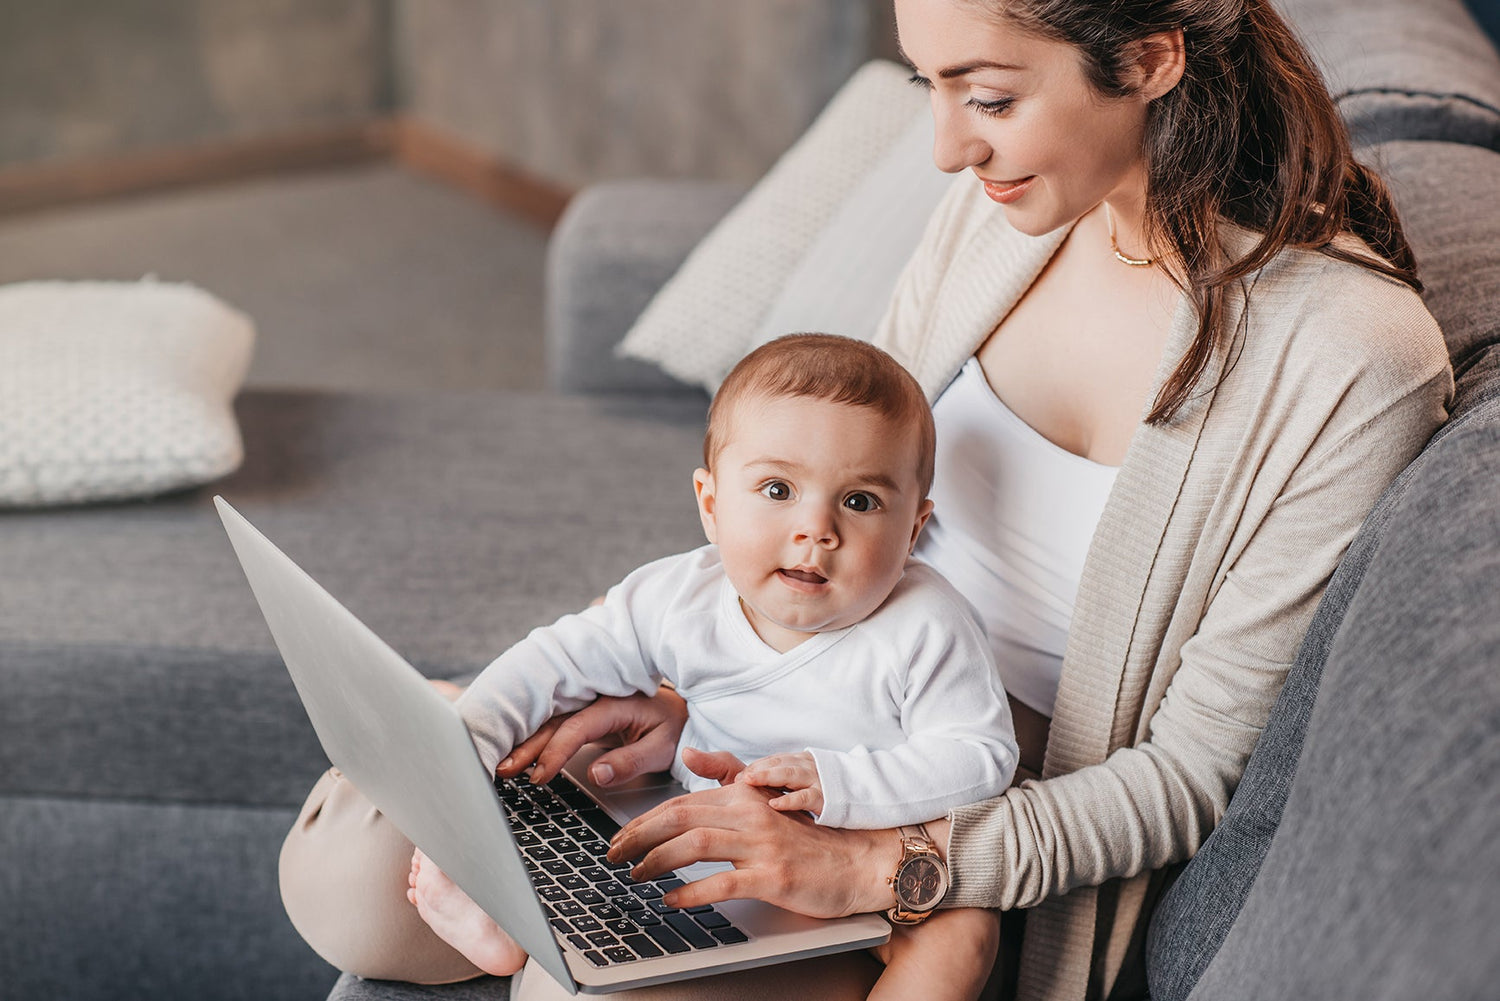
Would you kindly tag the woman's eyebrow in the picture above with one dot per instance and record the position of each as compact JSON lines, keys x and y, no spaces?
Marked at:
{"x":962,"y":69}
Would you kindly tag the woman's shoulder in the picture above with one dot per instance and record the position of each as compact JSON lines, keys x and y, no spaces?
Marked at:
{"x":1330,"y":310}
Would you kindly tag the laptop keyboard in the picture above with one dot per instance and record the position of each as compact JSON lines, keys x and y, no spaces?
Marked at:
{"x":593,"y":904}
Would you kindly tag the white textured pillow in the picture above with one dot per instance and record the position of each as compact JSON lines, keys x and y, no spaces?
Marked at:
{"x":111,"y":390}
{"x":706,"y":316}
{"x":843,"y":284}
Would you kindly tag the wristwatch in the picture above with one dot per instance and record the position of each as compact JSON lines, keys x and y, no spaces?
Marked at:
{"x":920,"y":879}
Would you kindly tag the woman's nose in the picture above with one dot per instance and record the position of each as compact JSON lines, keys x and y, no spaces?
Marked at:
{"x":955,"y":144}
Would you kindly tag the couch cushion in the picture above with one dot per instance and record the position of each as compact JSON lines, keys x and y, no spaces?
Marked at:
{"x":111,"y":390}
{"x":704,"y":317}
{"x":1444,"y":192}
{"x":1378,"y":882}
{"x":1404,"y":70}
{"x":134,"y":662}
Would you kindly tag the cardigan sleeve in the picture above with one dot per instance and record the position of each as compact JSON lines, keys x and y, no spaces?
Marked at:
{"x":1152,"y":804}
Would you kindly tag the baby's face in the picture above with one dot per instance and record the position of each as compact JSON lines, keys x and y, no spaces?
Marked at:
{"x":815,"y":507}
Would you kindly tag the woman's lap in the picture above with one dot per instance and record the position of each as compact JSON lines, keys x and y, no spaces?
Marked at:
{"x":343,"y":882}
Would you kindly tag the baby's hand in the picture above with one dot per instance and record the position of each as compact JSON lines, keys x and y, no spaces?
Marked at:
{"x":797,"y":773}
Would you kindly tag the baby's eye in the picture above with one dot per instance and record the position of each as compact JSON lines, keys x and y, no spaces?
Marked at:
{"x":860,"y":501}
{"x":776,"y":490}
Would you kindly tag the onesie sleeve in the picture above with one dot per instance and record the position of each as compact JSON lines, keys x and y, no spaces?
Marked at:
{"x":603,"y":650}
{"x":960,"y":742}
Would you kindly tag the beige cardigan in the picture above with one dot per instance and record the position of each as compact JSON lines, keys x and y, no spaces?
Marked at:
{"x":1216,"y":543}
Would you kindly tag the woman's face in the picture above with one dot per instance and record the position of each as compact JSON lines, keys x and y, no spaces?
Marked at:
{"x":1019,"y":111}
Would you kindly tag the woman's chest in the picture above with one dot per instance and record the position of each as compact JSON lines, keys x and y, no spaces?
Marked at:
{"x":1076,"y":357}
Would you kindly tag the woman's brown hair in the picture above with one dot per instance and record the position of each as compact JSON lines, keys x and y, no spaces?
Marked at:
{"x":1249,"y":135}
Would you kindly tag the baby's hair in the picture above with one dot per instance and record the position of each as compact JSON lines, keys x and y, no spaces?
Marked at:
{"x":831,"y":368}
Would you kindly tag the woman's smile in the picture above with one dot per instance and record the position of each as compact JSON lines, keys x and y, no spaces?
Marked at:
{"x":1006,"y":192}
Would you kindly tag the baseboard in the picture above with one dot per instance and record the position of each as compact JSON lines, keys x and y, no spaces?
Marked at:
{"x":427,"y":150}
{"x":415,"y":145}
{"x":46,"y":185}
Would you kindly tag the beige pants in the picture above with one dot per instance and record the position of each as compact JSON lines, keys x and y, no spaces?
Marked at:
{"x":343,"y":882}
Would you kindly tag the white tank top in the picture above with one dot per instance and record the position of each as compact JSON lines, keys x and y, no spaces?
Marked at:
{"x":1012,"y":519}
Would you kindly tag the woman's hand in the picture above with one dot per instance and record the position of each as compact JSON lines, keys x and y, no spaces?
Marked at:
{"x":783,"y":858}
{"x":647,"y":728}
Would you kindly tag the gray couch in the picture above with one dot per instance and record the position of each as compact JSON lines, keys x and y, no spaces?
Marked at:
{"x":152,"y":752}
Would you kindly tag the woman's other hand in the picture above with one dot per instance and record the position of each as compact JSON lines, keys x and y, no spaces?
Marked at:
{"x":648,"y":729}
{"x":783,"y":858}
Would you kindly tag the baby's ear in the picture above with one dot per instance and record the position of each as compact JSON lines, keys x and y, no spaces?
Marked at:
{"x":703,"y":488}
{"x":924,"y":511}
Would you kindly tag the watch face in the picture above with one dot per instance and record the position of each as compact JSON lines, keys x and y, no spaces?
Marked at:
{"x":921,"y":884}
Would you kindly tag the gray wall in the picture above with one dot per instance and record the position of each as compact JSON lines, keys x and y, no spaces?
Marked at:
{"x":575,"y":91}
{"x":88,"y":78}
{"x":571,"y":91}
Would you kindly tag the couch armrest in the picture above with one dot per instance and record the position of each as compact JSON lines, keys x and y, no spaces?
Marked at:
{"x":616,"y":244}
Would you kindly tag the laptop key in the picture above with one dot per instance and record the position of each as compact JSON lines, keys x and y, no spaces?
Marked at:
{"x":594,"y":957}
{"x":646,"y":891}
{"x":558,"y":924}
{"x":573,"y":881}
{"x":602,"y":939}
{"x":595,"y":874}
{"x":670,"y":883}
{"x":552,"y":894}
{"x":605,"y":912}
{"x":667,"y":939}
{"x":557,"y":867}
{"x":689,"y":930}
{"x":578,"y":942}
{"x":619,"y":954}
{"x":730,"y":936}
{"x":589,"y":896}
{"x":570,"y":909}
{"x":586,"y":923}
{"x":629,"y":903}
{"x":622,"y":926}
{"x":661,"y":907}
{"x":612,"y":889}
{"x":643,"y":946}
{"x":711,"y":920}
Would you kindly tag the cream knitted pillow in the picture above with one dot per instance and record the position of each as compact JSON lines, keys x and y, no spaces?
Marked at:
{"x":111,"y":390}
{"x":706,"y":316}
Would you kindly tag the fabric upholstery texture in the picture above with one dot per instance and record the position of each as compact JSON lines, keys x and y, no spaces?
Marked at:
{"x":704,"y":317}
{"x":111,"y":390}
{"x":1405,"y":718}
{"x":135,"y":663}
{"x":843,"y":283}
{"x":1403,"y":70}
{"x":200,"y":878}
{"x":1445,"y":193}
{"x":612,"y":251}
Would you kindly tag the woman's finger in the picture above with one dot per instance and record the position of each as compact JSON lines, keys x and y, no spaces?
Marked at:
{"x":524,"y":754}
{"x":640,"y":721}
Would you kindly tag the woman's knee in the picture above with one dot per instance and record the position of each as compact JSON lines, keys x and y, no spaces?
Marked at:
{"x":343,"y":872}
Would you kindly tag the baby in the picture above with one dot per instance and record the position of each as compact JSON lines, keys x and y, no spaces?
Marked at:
{"x":802,"y":631}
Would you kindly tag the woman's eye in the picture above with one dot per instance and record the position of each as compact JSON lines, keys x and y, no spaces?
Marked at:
{"x":994,"y":108}
{"x":776,"y":490}
{"x":860,"y":502}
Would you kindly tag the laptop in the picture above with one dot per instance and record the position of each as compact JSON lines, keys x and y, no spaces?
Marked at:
{"x":406,"y":748}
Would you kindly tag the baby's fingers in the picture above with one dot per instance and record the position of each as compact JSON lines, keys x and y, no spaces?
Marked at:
{"x":809,"y":800}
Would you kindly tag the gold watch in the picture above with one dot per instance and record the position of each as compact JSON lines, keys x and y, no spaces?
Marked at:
{"x":920,"y":879}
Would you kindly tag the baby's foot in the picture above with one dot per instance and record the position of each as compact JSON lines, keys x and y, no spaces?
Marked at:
{"x":459,"y":921}
{"x":948,"y":956}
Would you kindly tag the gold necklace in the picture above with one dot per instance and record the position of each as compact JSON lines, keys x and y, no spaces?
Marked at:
{"x":1134,"y":262}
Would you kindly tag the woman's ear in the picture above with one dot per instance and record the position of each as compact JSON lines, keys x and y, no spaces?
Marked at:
{"x":1160,"y":61}
{"x":703,"y":487}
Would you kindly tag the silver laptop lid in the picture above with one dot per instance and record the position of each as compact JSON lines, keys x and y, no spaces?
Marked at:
{"x":400,"y":742}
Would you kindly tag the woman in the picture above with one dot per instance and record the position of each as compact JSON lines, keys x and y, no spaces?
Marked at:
{"x":1168,"y":262}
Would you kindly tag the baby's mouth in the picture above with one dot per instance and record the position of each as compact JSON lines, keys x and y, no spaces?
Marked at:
{"x":804,"y":576}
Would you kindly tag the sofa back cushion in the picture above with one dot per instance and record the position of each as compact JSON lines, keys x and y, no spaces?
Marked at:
{"x":1253,"y":898}
{"x":1404,"y":70}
